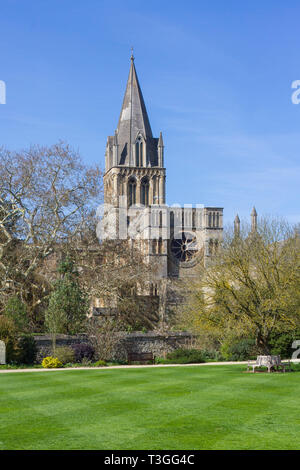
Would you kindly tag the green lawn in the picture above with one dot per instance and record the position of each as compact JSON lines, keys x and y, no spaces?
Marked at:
{"x":210,"y":407}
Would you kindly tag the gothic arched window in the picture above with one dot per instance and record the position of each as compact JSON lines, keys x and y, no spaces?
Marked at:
{"x":132,"y":191}
{"x":139,"y":152}
{"x":145,"y":191}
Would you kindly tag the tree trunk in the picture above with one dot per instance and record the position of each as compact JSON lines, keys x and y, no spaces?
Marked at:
{"x":262,"y":343}
{"x":53,"y":343}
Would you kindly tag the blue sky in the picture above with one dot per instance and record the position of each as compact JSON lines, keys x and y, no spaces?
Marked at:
{"x":216,"y":78}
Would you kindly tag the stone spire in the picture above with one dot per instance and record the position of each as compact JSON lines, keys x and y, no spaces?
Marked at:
{"x":133,"y":144}
{"x":253,"y":220}
{"x":133,"y":117}
{"x":160,"y":151}
{"x":237,"y":226}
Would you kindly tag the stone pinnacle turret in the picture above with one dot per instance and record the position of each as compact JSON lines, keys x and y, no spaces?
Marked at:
{"x":237,"y":225}
{"x":253,"y":220}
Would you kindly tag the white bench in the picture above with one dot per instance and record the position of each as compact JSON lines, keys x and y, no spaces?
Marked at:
{"x":271,"y":362}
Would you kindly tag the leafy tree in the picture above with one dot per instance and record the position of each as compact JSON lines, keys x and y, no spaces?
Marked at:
{"x":68,"y":303}
{"x":55,"y":321}
{"x":251,"y":288}
{"x":17,"y":311}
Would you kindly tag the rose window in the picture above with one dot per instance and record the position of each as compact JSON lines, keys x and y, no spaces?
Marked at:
{"x":184,"y":247}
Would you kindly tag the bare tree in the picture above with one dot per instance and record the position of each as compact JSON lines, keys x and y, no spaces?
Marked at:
{"x":116,"y":273}
{"x":47,"y":199}
{"x":105,"y":334}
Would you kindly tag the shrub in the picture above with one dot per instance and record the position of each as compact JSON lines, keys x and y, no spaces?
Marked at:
{"x":42,"y":353}
{"x":281,"y":344}
{"x":83,"y":351}
{"x":212,"y":355}
{"x":8,"y":334}
{"x":27,"y":350}
{"x":185,"y":356}
{"x":65,"y":354}
{"x":51,"y":363}
{"x":161,"y":360}
{"x":239,"y":349}
{"x":100,"y":364}
{"x":85,"y":362}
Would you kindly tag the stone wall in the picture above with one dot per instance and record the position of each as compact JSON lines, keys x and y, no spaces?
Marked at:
{"x":44,"y":343}
{"x":157,"y":343}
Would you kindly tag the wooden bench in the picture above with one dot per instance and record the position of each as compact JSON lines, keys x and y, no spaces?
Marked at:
{"x":141,"y":357}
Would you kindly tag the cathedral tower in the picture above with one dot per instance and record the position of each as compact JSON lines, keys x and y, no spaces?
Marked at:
{"x":174,"y":238}
{"x":134,"y":159}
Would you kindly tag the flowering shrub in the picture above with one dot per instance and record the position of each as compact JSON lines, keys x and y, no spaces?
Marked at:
{"x":83,"y":351}
{"x":42,"y":353}
{"x":51,"y":363}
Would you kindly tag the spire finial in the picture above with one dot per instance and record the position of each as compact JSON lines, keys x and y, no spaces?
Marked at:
{"x":132,"y":56}
{"x":254,"y":213}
